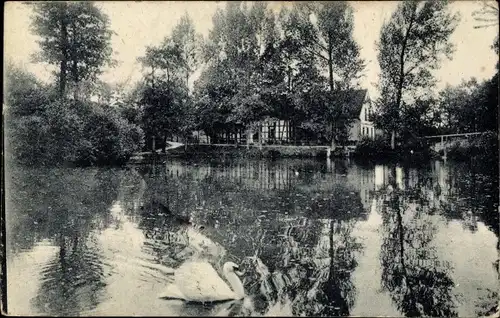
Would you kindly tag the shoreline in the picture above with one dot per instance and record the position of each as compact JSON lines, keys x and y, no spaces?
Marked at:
{"x":270,"y":152}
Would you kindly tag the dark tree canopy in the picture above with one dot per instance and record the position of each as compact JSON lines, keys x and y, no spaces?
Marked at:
{"x":412,"y":44}
{"x":74,"y":36}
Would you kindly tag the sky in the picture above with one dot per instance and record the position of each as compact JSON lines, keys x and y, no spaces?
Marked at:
{"x":138,"y":24}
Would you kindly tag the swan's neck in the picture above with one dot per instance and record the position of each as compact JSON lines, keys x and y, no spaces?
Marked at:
{"x":235,"y":283}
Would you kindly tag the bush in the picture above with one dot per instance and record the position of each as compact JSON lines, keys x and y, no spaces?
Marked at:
{"x":109,"y":139}
{"x":26,"y":139}
{"x":377,"y":147}
{"x":42,"y":129}
{"x":73,"y":132}
{"x":24,"y":93}
{"x":49,"y":138}
{"x":484,"y":146}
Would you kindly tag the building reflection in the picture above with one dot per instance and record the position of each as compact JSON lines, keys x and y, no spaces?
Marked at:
{"x":299,"y":227}
{"x":283,"y":175}
{"x":256,"y":175}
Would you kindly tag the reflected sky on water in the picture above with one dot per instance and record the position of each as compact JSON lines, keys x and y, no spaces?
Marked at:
{"x":313,"y":237}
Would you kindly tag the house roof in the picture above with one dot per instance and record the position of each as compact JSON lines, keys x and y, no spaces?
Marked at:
{"x":352,"y":100}
{"x":355,"y":99}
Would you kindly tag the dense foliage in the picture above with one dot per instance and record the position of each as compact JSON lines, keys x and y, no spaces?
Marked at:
{"x":299,"y":65}
{"x":412,"y":44}
{"x":74,"y":36}
{"x":43,"y":124}
{"x":255,"y":65}
{"x":470,"y":106}
{"x":43,"y":129}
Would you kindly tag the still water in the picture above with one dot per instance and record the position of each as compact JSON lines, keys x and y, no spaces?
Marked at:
{"x":325,"y":237}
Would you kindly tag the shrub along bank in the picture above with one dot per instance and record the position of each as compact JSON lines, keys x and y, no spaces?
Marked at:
{"x":42,"y":129}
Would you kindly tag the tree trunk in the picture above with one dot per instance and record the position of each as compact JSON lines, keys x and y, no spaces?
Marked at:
{"x":330,"y":66}
{"x":62,"y":80}
{"x":393,"y":139}
{"x":64,"y":55}
{"x":333,"y":146}
{"x":330,"y":77}
{"x":153,"y":78}
{"x":76,"y":92}
{"x":289,"y":78}
{"x":260,"y":135}
{"x":401,"y":77}
{"x":74,"y":63}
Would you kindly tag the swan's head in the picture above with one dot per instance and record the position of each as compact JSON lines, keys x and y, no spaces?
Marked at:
{"x":231,"y":267}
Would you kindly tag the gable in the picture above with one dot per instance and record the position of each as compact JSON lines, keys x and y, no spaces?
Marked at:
{"x":366,"y":111}
{"x":355,"y":100}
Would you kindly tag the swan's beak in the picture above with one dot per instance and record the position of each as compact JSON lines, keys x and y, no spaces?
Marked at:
{"x":237,"y":271}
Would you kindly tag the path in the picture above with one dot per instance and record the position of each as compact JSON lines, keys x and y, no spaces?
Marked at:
{"x":173,"y":145}
{"x":139,"y":157}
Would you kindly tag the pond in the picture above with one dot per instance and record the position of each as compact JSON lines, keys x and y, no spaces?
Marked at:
{"x":312,"y":237}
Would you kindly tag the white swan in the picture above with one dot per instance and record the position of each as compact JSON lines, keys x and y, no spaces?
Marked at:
{"x":198,"y":281}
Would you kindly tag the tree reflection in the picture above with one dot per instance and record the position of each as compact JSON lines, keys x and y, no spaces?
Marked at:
{"x":164,"y":210}
{"x":475,"y":190}
{"x":296,"y":229}
{"x":68,"y":206}
{"x":418,"y":282}
{"x":72,"y":283}
{"x":44,"y":202}
{"x":330,"y":291}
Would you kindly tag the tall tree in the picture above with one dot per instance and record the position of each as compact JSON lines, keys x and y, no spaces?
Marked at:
{"x":164,"y":96}
{"x":487,"y":16}
{"x":50,"y":22}
{"x":318,"y":39}
{"x":470,"y":106}
{"x":241,"y":83}
{"x":75,"y":36}
{"x":412,"y":44}
{"x":325,"y":30}
{"x":188,"y":42}
{"x":164,"y":60}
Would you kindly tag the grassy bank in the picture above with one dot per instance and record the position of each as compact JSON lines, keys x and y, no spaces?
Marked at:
{"x":379,"y":150}
{"x":249,"y":152}
{"x":237,"y":151}
{"x":367,"y":150}
{"x":223,"y":151}
{"x":484,"y":146}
